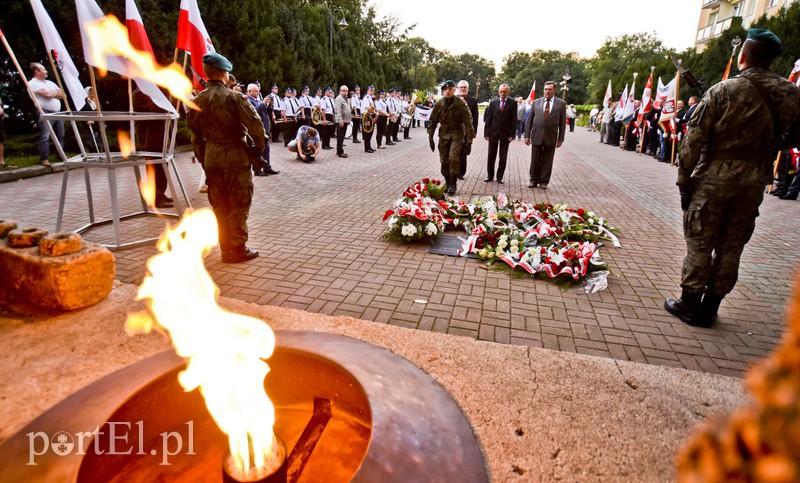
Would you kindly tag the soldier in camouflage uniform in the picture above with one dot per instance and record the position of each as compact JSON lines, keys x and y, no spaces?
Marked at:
{"x":726,"y":160}
{"x":455,"y":126}
{"x":218,"y":137}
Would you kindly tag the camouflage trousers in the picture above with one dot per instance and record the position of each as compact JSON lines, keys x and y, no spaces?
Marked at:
{"x":230,"y":192}
{"x":718,"y":224}
{"x":450,"y":156}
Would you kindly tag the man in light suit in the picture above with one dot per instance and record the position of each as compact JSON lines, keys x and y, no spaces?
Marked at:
{"x":500,"y":122}
{"x":545,"y":129}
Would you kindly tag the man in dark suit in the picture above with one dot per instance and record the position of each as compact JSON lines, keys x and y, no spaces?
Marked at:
{"x":545,"y":130}
{"x":472,"y":103}
{"x":500,"y":122}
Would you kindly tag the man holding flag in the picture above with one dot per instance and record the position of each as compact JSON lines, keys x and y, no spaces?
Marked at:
{"x":726,"y":160}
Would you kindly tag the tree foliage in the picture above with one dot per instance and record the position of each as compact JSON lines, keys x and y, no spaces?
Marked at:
{"x":520,"y":70}
{"x":469,"y":67}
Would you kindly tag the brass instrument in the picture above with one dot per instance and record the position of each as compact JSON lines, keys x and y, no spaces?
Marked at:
{"x":411,"y":108}
{"x":368,"y":120}
{"x":317,"y":117}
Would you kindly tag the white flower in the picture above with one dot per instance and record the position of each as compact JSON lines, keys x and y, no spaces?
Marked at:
{"x":500,"y":252}
{"x":532,"y":250}
{"x":502,"y":244}
{"x":392,"y":222}
{"x":504,"y":237}
{"x":490,"y":254}
{"x":431,"y":229}
{"x":514,"y":249}
{"x":591,"y":213}
{"x":409,"y":230}
{"x":557,"y":257}
{"x":483,"y":253}
{"x":514,"y":242}
{"x":600,"y":222}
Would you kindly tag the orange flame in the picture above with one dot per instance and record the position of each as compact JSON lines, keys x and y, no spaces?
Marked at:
{"x":147,"y":185}
{"x":224,"y":349}
{"x":110,"y":37}
{"x":125,"y":146}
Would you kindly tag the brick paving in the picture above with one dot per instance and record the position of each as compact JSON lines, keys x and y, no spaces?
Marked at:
{"x":318,"y":225}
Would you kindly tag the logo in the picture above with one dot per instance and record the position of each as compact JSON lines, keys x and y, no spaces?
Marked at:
{"x":62,"y":443}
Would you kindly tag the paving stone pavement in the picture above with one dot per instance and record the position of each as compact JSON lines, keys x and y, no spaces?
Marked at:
{"x":318,"y":229}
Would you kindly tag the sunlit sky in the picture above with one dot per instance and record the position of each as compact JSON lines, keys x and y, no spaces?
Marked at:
{"x":493,"y":29}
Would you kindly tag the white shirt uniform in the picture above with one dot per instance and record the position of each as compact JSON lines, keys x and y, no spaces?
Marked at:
{"x":315,"y":101}
{"x":277,"y":104}
{"x":366,"y":102}
{"x":305,"y":101}
{"x":355,"y":103}
{"x":381,"y":107}
{"x":291,"y":106}
{"x":327,"y":104}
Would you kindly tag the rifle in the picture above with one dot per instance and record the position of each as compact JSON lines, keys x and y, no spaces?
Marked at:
{"x":257,"y":161}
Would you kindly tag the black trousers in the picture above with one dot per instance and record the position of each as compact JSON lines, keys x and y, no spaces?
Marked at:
{"x":340,"y":132}
{"x":356,"y":127}
{"x":493,"y":147}
{"x":542,"y":163}
{"x":326,"y":131}
{"x":381,"y":127}
{"x":395,"y":129}
{"x":405,"y":132}
{"x":368,"y":137}
{"x":289,"y":128}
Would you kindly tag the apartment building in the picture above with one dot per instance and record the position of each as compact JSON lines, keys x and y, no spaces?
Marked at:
{"x":716,"y":16}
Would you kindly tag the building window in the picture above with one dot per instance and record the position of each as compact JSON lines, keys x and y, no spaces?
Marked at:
{"x":772,"y":3}
{"x":738,"y":9}
{"x":751,"y":7}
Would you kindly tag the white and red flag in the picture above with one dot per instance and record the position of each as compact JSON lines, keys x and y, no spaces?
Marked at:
{"x":668,"y":104}
{"x":532,"y":95}
{"x":607,"y":96}
{"x":193,"y":36}
{"x":54,"y":44}
{"x":795,"y":75}
{"x":630,"y":105}
{"x":647,"y":95}
{"x":89,"y":15}
{"x":621,"y":105}
{"x":136,"y":31}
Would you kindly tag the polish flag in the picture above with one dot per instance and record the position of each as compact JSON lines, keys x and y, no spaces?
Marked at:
{"x":54,"y":44}
{"x":89,"y":13}
{"x":193,"y":36}
{"x":668,"y":95}
{"x":619,"y":112}
{"x":136,"y":32}
{"x":647,"y":95}
{"x":532,"y":95}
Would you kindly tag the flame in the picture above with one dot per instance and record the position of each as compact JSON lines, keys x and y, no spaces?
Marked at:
{"x":224,"y":350}
{"x":125,"y":146}
{"x":147,"y":185}
{"x":109,"y":37}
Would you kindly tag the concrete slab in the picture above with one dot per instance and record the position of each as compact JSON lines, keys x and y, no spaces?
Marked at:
{"x":540,"y":415}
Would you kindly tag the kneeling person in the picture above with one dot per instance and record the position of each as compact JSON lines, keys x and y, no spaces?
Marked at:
{"x":307,"y":144}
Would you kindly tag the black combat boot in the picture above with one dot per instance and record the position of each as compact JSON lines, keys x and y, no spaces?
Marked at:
{"x":451,"y":185}
{"x":709,"y":309}
{"x":687,"y":308}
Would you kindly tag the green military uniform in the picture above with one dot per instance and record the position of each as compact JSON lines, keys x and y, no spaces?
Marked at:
{"x":725,"y":162}
{"x":455,"y":126}
{"x":218,"y":137}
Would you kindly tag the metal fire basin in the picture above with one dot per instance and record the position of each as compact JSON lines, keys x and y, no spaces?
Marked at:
{"x":390,"y":422}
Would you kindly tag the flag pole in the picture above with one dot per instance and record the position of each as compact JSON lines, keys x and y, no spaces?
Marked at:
{"x":677,"y":96}
{"x":103,"y":133}
{"x":75,"y":130}
{"x":31,"y":94}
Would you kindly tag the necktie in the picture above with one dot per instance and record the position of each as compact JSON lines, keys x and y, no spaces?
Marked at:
{"x":502,"y":104}
{"x":547,"y":108}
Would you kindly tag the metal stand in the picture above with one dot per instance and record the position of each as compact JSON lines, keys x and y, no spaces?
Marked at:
{"x":111,"y":161}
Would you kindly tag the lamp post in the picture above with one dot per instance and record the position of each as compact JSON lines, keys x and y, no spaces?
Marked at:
{"x":477,"y":86}
{"x":342,"y":25}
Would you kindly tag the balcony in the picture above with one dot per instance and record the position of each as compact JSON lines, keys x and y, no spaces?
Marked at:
{"x":713,"y":3}
{"x":704,"y":34}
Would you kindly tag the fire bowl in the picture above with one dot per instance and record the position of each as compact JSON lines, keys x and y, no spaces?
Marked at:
{"x":384,"y":420}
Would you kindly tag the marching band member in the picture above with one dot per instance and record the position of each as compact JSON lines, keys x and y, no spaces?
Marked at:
{"x":368,"y":105}
{"x":305,"y":103}
{"x":355,"y":102}
{"x":383,"y":117}
{"x":326,"y":104}
{"x":290,"y":108}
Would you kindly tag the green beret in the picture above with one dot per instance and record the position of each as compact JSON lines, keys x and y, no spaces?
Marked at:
{"x":766,"y":39}
{"x":448,"y":83}
{"x":217,"y":61}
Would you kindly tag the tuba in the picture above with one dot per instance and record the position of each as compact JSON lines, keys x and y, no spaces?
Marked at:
{"x":316,"y":116}
{"x":367,"y":120}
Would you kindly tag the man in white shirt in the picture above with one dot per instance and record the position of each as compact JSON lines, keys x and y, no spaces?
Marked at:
{"x":290,"y":110}
{"x":49,"y":96}
{"x":368,"y":106}
{"x":355,"y":102}
{"x":605,"y":121}
{"x":277,"y":113}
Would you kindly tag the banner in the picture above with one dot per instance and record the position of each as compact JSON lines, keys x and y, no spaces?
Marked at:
{"x":607,"y":96}
{"x":422,"y":114}
{"x":532,"y":95}
{"x":620,"y":110}
{"x":630,"y":107}
{"x":668,"y":95}
{"x":54,"y":44}
{"x":193,"y":36}
{"x":647,"y":94}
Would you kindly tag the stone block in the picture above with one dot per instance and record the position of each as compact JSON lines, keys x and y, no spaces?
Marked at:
{"x":66,"y":282}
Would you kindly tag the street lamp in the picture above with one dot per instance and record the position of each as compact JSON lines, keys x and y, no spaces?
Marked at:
{"x":342,"y":25}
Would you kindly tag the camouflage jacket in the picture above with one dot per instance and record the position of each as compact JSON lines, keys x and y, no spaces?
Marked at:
{"x":219,"y":127}
{"x":730,"y":140}
{"x":454,"y":117}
